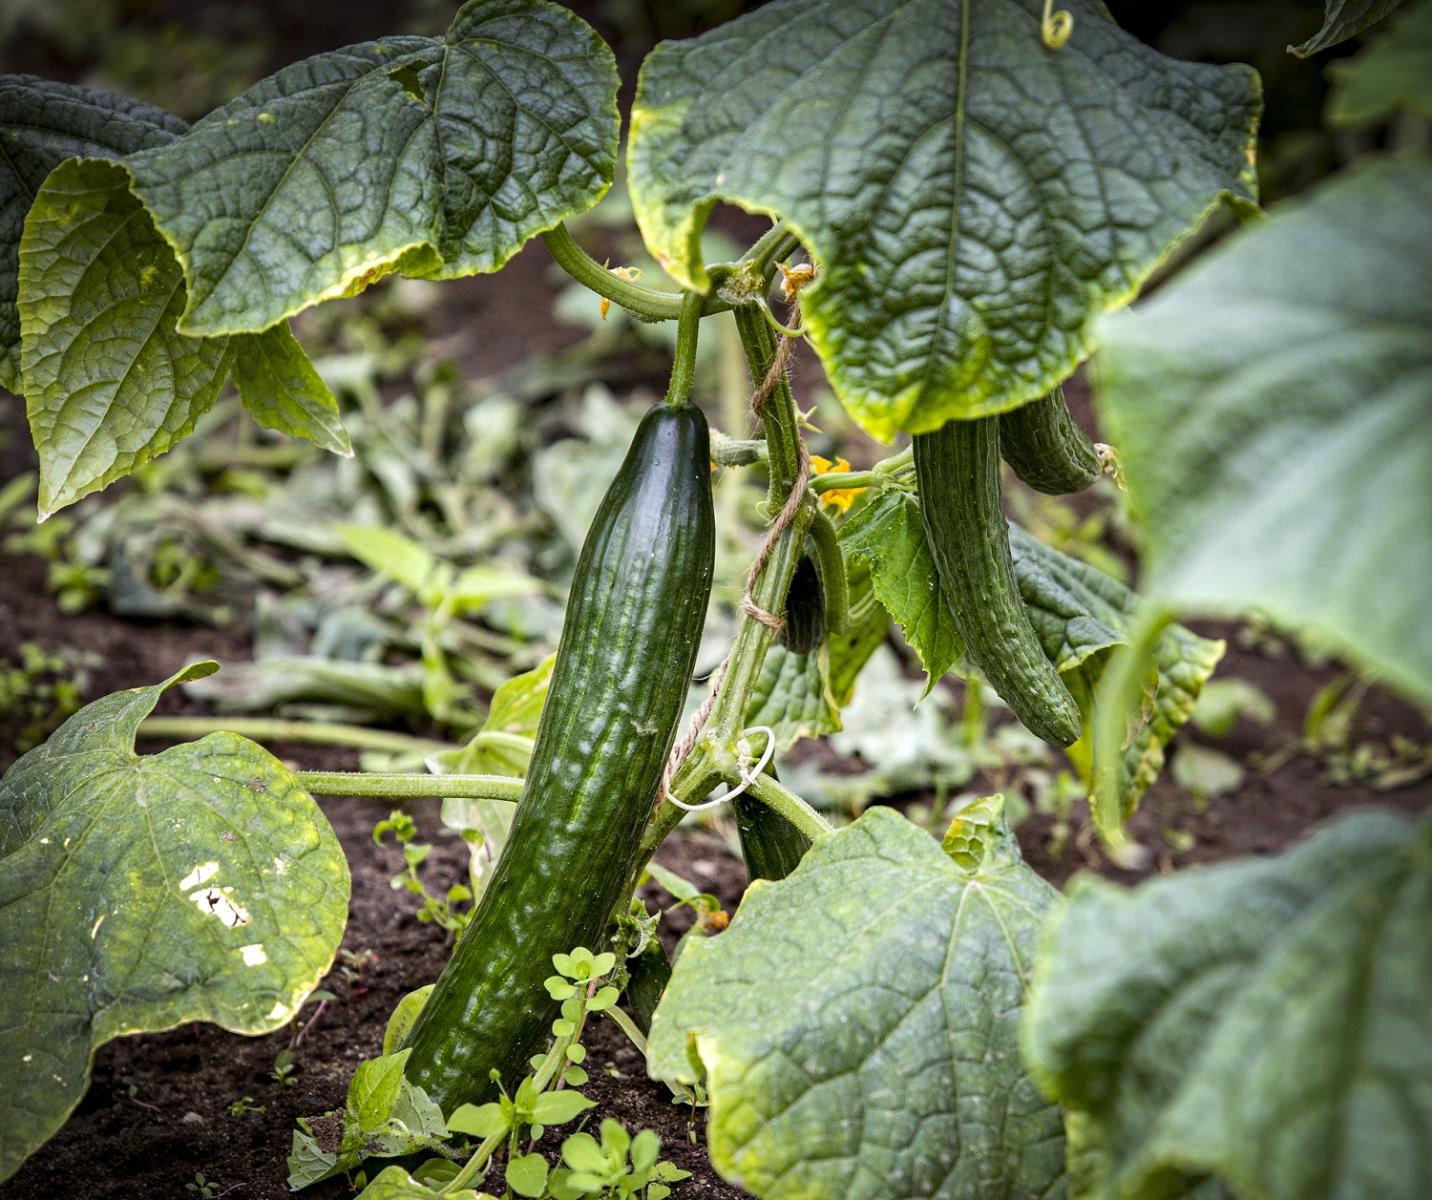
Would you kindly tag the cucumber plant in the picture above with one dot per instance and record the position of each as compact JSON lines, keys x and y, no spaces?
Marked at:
{"x":958,"y":192}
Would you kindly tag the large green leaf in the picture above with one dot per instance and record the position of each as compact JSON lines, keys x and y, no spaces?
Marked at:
{"x":42,"y":124}
{"x":427,"y":156}
{"x":1392,"y":73}
{"x":1271,"y":408}
{"x":108,"y":381}
{"x":972,"y":198}
{"x":1081,"y":614}
{"x":1263,"y":1021}
{"x":138,"y":893}
{"x":858,"y":1025}
{"x":1343,"y":19}
{"x":887,"y":536}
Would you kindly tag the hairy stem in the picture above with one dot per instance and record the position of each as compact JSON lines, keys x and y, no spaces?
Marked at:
{"x":775,"y":795}
{"x":409,"y":786}
{"x":683,"y":365}
{"x":644,"y":303}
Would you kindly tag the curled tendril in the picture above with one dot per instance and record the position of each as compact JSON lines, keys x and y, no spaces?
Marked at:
{"x":1056,"y":25}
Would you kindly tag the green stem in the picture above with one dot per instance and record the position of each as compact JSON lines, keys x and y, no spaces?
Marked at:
{"x":409,"y":786}
{"x":771,"y":247}
{"x":644,"y":303}
{"x":779,"y":798}
{"x":683,"y":365}
{"x":780,"y":417}
{"x":878,"y":475}
{"x":272,"y":729}
{"x":754,"y":639}
{"x":736,"y":452}
{"x":832,"y":572}
{"x":473,"y":1167}
{"x":839,"y":480}
{"x":628,"y":1027}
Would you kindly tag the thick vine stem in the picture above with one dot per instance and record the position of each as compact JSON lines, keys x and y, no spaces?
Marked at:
{"x":409,"y":786}
{"x":779,"y":415}
{"x":644,"y":303}
{"x":776,"y":796}
{"x":683,"y":364}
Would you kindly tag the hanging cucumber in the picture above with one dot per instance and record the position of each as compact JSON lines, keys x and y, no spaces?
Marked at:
{"x":957,"y":469}
{"x":1046,"y":448}
{"x":634,"y":619}
{"x":803,"y":624}
{"x":771,"y":845}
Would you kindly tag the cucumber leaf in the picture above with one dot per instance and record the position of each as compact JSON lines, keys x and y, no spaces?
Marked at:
{"x":1264,"y":1022}
{"x":1080,"y":614}
{"x":973,"y":198}
{"x":198,"y":884}
{"x":433,"y":157}
{"x":887,"y":536}
{"x":1392,"y":73}
{"x":42,"y":124}
{"x":109,"y":383}
{"x":792,"y":696}
{"x":1343,"y":19}
{"x":1270,"y":407}
{"x":283,"y":391}
{"x":847,"y":1065}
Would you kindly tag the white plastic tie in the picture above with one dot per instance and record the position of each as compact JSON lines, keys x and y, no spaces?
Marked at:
{"x":747,"y":777}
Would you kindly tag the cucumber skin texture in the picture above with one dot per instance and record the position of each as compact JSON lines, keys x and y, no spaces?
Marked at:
{"x":803,"y":628}
{"x":1046,"y":448}
{"x":771,"y":845}
{"x":648,"y":974}
{"x":957,"y":469}
{"x":633,"y":623}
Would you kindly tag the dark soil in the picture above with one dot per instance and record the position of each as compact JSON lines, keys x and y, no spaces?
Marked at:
{"x":157,"y":1110}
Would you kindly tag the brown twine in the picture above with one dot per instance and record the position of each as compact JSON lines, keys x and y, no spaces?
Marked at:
{"x":762,"y":395}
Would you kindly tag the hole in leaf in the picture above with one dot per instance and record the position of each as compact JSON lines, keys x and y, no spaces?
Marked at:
{"x":407,"y":76}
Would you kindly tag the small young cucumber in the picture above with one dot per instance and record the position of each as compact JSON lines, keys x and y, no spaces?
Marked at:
{"x":957,"y":469}
{"x":1045,"y":448}
{"x":634,"y":618}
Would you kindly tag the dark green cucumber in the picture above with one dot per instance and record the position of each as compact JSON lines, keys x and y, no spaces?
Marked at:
{"x":634,"y":619}
{"x":803,"y":623}
{"x":1046,"y":449}
{"x":648,"y":974}
{"x":771,"y":845}
{"x":957,"y":468}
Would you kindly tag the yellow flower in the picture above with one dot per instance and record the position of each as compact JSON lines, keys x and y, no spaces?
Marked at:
{"x":839,"y":499}
{"x":630,"y":274}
